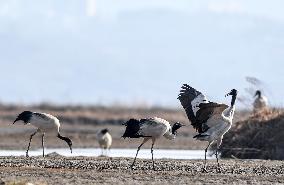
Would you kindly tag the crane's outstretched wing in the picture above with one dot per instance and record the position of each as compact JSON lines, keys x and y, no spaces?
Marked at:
{"x":198,"y":109}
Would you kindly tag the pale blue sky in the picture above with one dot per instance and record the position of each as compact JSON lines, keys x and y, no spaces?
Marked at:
{"x":136,"y":52}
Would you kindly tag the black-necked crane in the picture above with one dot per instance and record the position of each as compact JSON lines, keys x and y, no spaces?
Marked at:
{"x":260,"y":102}
{"x":44,"y":123}
{"x":211,"y":120}
{"x":104,"y":138}
{"x":151,"y":128}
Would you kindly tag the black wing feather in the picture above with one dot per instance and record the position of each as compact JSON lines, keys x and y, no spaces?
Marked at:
{"x":133,"y":127}
{"x":186,"y":96}
{"x":205,"y":111}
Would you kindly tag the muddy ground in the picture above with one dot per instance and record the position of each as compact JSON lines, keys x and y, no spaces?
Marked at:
{"x":86,"y":170}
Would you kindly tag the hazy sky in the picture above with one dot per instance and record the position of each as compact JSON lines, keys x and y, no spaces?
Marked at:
{"x":136,"y":52}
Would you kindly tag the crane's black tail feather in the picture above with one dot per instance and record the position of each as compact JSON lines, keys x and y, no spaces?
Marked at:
{"x":132,"y":129}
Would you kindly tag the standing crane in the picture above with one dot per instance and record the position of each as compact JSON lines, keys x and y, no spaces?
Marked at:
{"x":104,"y":138}
{"x":260,"y":102}
{"x":151,"y":128}
{"x":44,"y":123}
{"x":211,"y":120}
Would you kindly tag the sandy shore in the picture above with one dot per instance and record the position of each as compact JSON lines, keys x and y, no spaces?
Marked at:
{"x":87,"y":170}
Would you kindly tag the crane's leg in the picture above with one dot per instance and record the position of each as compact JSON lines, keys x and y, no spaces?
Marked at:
{"x":31,"y":137}
{"x":144,"y":141}
{"x":204,"y":168}
{"x":105,"y":151}
{"x":108,"y":152}
{"x":42,"y":144}
{"x":153,"y":142}
{"x":216,"y":154}
{"x":219,"y":141}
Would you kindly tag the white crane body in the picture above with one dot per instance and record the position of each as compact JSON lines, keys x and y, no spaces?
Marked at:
{"x":104,"y":139}
{"x":44,"y":123}
{"x":151,"y":128}
{"x":211,"y":120}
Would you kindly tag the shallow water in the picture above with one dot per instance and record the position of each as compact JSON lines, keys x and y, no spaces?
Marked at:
{"x":115,"y":152}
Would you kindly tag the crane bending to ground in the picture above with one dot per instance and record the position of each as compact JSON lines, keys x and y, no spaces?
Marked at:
{"x":44,"y":123}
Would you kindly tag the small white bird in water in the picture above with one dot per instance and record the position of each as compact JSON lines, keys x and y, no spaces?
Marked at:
{"x":152,"y":128}
{"x":44,"y":123}
{"x":260,"y":103}
{"x":104,"y":138}
{"x":211,"y":120}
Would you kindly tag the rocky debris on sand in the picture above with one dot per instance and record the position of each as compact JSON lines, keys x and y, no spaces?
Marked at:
{"x":93,"y":170}
{"x":123,"y":164}
{"x":54,"y":154}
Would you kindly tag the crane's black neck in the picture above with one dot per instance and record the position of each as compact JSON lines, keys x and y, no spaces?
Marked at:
{"x":259,"y":94}
{"x":233,"y":101}
{"x":104,"y":131}
{"x":66,"y":139}
{"x":175,"y":127}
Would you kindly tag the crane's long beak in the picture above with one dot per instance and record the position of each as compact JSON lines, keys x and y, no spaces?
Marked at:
{"x":16,"y":120}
